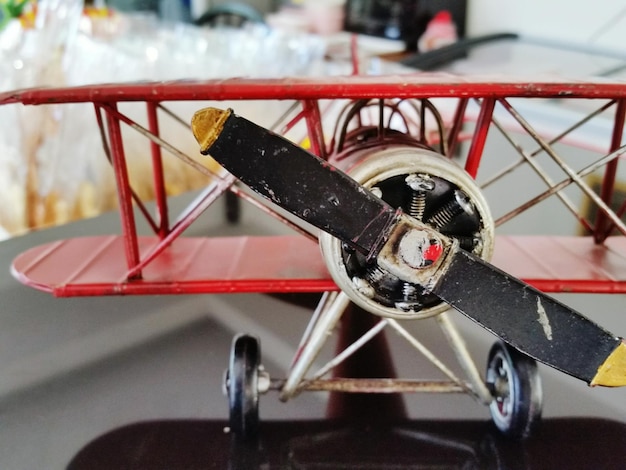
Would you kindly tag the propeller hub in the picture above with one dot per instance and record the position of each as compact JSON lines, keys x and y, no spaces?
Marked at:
{"x":420,"y":249}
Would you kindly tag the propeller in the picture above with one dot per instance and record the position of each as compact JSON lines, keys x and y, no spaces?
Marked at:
{"x":325,"y":197}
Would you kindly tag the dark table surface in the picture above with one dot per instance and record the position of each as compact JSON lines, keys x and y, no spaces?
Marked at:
{"x":565,"y":443}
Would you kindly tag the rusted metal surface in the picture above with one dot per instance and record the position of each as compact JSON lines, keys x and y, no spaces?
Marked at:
{"x":382,"y":386}
{"x":429,"y":85}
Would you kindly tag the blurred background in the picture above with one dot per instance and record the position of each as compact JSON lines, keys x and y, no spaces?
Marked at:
{"x":52,"y":168}
{"x":73,"y":369}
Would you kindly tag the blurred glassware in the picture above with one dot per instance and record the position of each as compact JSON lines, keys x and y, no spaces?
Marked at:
{"x":52,"y":166}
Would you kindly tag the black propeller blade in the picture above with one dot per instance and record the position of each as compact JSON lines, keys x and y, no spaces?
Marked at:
{"x":325,"y":197}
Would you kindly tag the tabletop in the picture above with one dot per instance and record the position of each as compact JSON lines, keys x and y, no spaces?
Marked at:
{"x":136,"y":382}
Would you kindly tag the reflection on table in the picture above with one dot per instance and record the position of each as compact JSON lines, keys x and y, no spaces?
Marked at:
{"x":560,"y":443}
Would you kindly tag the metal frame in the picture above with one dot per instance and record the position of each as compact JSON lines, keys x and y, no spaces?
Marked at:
{"x":488,"y":96}
{"x":322,"y":325}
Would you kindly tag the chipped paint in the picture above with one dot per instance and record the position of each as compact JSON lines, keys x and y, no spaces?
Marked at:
{"x":207,"y":125}
{"x":362,"y":286}
{"x":544,"y":321}
{"x":420,"y":249}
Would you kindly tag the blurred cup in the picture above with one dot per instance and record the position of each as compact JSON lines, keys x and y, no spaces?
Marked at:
{"x":325,"y":16}
{"x":289,"y":19}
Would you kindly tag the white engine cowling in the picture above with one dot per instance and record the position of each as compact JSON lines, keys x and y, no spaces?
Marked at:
{"x":427,"y":186}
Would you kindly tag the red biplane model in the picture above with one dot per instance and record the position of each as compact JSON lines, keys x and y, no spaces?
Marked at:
{"x":393,"y":189}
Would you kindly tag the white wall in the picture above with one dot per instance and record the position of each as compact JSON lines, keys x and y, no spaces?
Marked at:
{"x":597,"y":22}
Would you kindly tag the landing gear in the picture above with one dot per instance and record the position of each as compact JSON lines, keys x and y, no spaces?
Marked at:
{"x":515,"y":384}
{"x":232,"y":208}
{"x":438,"y":193}
{"x":242,"y":386}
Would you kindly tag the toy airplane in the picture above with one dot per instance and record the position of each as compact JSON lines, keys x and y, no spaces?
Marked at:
{"x":412,"y":250}
{"x":407,"y":231}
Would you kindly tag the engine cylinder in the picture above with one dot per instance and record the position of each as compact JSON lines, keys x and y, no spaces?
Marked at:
{"x":426,"y":185}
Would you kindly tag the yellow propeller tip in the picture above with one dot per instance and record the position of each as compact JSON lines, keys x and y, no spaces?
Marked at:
{"x":207,"y":124}
{"x":612,"y":372}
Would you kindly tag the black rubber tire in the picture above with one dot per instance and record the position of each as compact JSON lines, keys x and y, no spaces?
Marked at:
{"x":232,"y":208}
{"x":242,"y":387}
{"x":514,"y":381}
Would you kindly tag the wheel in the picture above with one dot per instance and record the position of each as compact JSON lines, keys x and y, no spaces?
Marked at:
{"x":232,"y":208}
{"x":242,"y":386}
{"x":515,"y":385}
